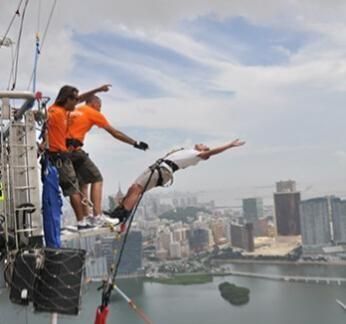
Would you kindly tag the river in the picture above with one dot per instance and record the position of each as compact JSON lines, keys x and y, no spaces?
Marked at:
{"x":271,"y":302}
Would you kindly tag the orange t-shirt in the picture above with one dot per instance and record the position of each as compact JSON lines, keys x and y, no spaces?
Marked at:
{"x":82,"y":119}
{"x":57,"y":128}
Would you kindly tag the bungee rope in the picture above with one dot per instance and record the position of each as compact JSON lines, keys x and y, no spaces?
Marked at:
{"x":103,"y":310}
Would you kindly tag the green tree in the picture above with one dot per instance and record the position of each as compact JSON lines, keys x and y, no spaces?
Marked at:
{"x":234,"y":294}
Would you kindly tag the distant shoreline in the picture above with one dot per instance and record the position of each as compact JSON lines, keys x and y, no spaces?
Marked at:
{"x":278,"y":262}
{"x":183,"y":279}
{"x":232,"y":261}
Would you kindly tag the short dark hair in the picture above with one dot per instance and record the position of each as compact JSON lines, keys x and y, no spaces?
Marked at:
{"x":65,"y":93}
{"x":91,"y":98}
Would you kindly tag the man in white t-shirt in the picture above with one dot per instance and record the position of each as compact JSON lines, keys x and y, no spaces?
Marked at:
{"x":162,"y":171}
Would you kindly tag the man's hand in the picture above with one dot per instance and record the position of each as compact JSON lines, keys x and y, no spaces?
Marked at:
{"x":237,"y":142}
{"x":85,"y":95}
{"x":104,"y":88}
{"x":141,"y":146}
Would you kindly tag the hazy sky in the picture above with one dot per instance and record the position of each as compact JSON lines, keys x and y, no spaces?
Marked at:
{"x":270,"y":72}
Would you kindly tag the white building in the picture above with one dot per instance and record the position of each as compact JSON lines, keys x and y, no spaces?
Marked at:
{"x":175,"y":250}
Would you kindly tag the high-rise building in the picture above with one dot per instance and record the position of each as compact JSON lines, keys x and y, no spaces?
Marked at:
{"x":118,"y":196}
{"x":315,"y":228}
{"x":218,"y":229}
{"x":286,"y":201}
{"x":252,"y":209}
{"x":108,"y":248}
{"x":178,"y":235}
{"x":286,"y":186}
{"x":228,"y":231}
{"x":162,"y":254}
{"x":175,"y":250}
{"x":261,"y":227}
{"x":338,"y":213}
{"x":185,"y":249}
{"x":131,"y":260}
{"x":242,"y":236}
{"x":165,"y":239}
{"x":199,"y":239}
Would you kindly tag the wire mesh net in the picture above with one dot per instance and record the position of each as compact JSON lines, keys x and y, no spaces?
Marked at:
{"x":50,"y":278}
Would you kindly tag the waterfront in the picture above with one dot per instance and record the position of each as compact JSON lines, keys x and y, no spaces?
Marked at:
{"x":271,"y":302}
{"x":289,"y":269}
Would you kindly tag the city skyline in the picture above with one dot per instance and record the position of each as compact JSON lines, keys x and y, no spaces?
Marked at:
{"x":272,"y":76}
{"x":234,"y":197}
{"x":183,"y":227}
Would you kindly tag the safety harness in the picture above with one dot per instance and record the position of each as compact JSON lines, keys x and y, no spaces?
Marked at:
{"x":158,"y":165}
{"x":75,"y":143}
{"x":167,"y":164}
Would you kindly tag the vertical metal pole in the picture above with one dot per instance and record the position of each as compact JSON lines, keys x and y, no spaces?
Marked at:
{"x":54,"y":318}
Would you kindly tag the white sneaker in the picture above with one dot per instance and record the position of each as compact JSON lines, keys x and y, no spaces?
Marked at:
{"x":109,"y":220}
{"x":92,"y":221}
{"x":102,"y":220}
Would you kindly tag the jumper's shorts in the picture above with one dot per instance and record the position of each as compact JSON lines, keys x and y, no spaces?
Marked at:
{"x":142,"y":180}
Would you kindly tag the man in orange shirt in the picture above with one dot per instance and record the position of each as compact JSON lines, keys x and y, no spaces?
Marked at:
{"x":55,"y":140}
{"x":81,"y":120}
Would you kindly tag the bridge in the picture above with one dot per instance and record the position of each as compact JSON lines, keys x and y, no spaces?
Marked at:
{"x":306,"y":279}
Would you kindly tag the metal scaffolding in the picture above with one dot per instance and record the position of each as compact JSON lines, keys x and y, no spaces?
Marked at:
{"x":20,"y":205}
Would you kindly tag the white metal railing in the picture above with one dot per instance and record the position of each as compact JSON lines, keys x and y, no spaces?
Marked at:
{"x":28,"y":96}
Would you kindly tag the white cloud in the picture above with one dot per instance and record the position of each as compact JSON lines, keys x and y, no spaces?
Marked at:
{"x":271,"y":104}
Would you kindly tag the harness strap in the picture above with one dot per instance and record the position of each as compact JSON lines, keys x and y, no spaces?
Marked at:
{"x":172,"y":165}
{"x":57,"y":156}
{"x":75,"y":143}
{"x":159,"y":182}
{"x":157,"y":166}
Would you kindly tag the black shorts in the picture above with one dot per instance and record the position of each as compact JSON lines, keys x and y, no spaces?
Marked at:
{"x":86,"y":170}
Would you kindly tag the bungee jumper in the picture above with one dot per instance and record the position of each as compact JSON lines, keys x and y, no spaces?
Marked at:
{"x":158,"y":174}
{"x":161,"y":173}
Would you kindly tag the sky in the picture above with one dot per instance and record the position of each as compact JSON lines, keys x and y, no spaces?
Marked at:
{"x":272,"y":73}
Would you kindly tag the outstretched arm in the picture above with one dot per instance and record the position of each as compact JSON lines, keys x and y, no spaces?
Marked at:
{"x":126,"y":139}
{"x":207,"y":154}
{"x":104,"y":88}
